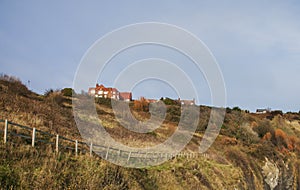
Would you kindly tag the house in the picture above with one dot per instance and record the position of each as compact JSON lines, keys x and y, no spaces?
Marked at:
{"x":186,"y":102}
{"x":100,"y":91}
{"x":262,"y":111}
{"x":125,"y":96}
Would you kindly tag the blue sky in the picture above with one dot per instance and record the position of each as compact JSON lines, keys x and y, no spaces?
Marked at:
{"x":256,"y":44}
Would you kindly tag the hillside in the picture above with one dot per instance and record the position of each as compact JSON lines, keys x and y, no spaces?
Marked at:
{"x":252,"y":151}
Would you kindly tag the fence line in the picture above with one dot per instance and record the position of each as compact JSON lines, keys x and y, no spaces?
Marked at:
{"x":104,"y":151}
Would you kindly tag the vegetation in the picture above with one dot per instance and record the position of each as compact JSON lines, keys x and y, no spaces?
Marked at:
{"x":68,"y":92}
{"x":236,"y":109}
{"x":169,"y":101}
{"x":141,"y":105}
{"x":246,"y":143}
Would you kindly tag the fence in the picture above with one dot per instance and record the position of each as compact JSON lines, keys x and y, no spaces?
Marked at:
{"x":35,"y":136}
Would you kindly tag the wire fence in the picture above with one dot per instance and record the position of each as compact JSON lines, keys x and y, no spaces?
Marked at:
{"x":37,"y":137}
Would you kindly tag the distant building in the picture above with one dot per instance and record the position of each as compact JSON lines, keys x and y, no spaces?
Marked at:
{"x":186,"y":102}
{"x":261,"y":111}
{"x":103,"y":92}
{"x":100,"y":91}
{"x":125,"y":96}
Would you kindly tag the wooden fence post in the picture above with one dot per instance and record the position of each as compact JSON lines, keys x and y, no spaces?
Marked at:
{"x":76,"y":147}
{"x":106,"y":156}
{"x":119,"y":154}
{"x":5,"y":131}
{"x":56,"y":144}
{"x":33,"y":137}
{"x":91,"y":149}
{"x":128,"y":156}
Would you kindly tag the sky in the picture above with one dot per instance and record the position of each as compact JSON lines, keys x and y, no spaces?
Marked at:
{"x":255,"y":43}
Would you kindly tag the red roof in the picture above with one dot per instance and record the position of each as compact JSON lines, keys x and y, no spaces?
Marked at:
{"x":125,"y":95}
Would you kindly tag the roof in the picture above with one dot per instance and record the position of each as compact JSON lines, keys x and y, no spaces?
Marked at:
{"x":126,"y":95}
{"x":261,"y":110}
{"x":102,"y":87}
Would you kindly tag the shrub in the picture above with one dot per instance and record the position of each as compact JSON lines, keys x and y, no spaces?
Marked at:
{"x":263,"y":128}
{"x":169,"y":101}
{"x":141,"y":105}
{"x":104,"y":101}
{"x":267,"y":136}
{"x":173,"y":114}
{"x":247,"y":135}
{"x":236,"y":108}
{"x":264,"y":149}
{"x":8,"y":177}
{"x":229,"y":141}
{"x":228,"y":110}
{"x":293,"y":141}
{"x":281,"y":138}
{"x":67,"y":92}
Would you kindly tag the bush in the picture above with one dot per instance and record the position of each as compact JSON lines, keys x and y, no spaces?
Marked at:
{"x":67,"y":92}
{"x":236,"y":108}
{"x":169,"y":101}
{"x":267,"y":136}
{"x":104,"y":101}
{"x":263,"y":128}
{"x":141,"y":105}
{"x":173,"y":114}
{"x":281,"y":138}
{"x":228,"y":110}
{"x":247,"y":135}
{"x":228,"y":141}
{"x":264,"y":149}
{"x":8,"y":177}
{"x":293,"y":143}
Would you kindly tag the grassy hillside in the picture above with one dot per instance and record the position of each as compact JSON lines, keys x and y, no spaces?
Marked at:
{"x":252,"y":151}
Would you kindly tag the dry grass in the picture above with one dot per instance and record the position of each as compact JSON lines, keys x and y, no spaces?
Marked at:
{"x":236,"y":157}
